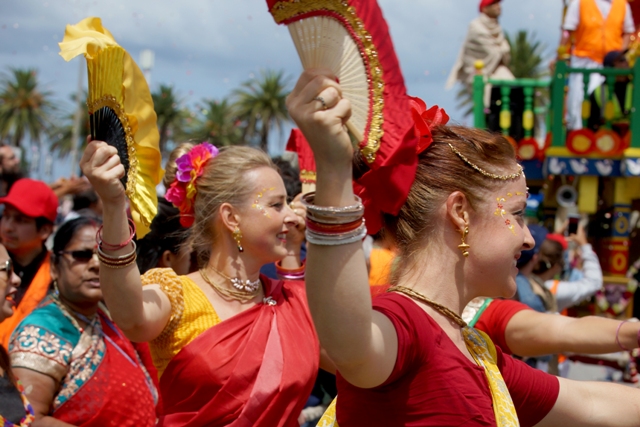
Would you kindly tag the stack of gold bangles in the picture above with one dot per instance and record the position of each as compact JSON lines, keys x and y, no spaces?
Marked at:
{"x":329,"y":226}
{"x":117,"y":261}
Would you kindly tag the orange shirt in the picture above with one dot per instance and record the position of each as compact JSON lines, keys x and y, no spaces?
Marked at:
{"x":596,"y":36}
{"x":381,"y":261}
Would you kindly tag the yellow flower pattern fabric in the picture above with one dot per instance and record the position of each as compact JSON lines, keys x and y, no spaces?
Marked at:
{"x":484,"y":353}
{"x":191,"y":315}
{"x":113,"y":74}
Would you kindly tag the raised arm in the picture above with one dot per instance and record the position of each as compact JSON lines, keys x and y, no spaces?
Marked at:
{"x":361,"y":342}
{"x":531,"y":333}
{"x":141,"y":313}
{"x":571,"y":293}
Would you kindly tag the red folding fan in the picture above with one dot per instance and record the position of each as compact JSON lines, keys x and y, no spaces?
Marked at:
{"x":306,"y":162}
{"x":351,"y":38}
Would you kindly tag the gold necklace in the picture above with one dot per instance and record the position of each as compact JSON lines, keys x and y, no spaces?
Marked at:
{"x":437,"y":306}
{"x":238,"y":295}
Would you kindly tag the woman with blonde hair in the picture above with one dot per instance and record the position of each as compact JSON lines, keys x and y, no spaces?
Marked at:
{"x":232,"y":347}
{"x":410,"y":360}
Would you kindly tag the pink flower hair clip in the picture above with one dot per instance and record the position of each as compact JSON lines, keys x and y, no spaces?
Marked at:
{"x":182,"y":190}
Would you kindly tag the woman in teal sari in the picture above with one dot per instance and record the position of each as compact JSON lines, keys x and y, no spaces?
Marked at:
{"x":76,"y":365}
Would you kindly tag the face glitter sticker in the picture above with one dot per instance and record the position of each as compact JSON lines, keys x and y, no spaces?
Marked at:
{"x":257,"y":202}
{"x":501,"y":212}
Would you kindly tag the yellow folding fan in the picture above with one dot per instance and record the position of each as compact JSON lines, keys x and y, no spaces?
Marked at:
{"x":121,"y":113}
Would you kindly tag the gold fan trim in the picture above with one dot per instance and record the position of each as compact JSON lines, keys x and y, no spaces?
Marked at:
{"x":286,"y":10}
{"x":111,"y":102}
{"x":307,"y":176}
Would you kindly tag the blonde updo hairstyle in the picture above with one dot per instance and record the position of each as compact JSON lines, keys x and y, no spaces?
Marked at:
{"x":223,"y":181}
{"x":441,"y":172}
{"x":170,"y":168}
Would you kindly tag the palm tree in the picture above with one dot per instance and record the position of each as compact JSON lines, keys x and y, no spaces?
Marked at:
{"x":526,"y":55}
{"x":24,"y":107}
{"x":61,"y":137}
{"x":170,"y":115}
{"x":260,"y":104}
{"x":219,"y":125}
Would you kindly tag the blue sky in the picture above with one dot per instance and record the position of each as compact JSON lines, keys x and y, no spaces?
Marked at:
{"x":206,"y":48}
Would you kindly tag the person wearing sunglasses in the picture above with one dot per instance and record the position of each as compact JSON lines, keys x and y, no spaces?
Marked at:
{"x":76,"y":365}
{"x":15,"y":409}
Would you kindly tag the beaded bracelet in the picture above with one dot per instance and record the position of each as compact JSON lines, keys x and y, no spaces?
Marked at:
{"x":290,"y":273}
{"x":111,"y":247}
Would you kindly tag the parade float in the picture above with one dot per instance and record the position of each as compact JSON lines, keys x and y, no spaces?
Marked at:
{"x":591,"y":172}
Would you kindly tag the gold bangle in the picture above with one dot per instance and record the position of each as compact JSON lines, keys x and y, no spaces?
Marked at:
{"x":116,"y":266}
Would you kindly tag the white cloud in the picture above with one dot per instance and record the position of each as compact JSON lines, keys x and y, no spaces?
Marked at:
{"x":205,"y":48}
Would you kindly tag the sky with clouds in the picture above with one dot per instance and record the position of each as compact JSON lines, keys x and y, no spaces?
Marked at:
{"x":206,"y":48}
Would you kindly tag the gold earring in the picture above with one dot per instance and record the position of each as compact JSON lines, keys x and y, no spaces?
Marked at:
{"x":463,"y":246}
{"x":237,"y":236}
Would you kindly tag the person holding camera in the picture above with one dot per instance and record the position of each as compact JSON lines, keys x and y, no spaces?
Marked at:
{"x":551,"y":263}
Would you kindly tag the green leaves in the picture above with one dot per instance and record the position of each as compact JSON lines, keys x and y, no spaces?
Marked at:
{"x":25,"y":109}
{"x":526,"y":55}
{"x":260,"y":104}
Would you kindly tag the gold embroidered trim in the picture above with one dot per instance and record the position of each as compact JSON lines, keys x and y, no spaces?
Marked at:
{"x":39,"y":363}
{"x":112,"y":103}
{"x":307,"y":176}
{"x":171,"y":285}
{"x":286,"y":10}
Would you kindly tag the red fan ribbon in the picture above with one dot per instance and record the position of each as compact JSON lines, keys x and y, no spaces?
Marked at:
{"x":306,"y":162}
{"x":425,"y":120}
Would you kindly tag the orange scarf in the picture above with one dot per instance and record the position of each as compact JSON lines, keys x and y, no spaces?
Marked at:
{"x":35,"y":293}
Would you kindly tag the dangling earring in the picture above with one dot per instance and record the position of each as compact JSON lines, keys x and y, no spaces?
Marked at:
{"x":463,"y":246}
{"x":55,"y":288}
{"x":237,"y":236}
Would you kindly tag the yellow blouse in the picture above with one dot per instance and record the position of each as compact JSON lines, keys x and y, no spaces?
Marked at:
{"x":191,"y":315}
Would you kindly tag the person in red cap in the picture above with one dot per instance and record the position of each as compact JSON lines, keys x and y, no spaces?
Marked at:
{"x":485,"y":42}
{"x":30,"y":210}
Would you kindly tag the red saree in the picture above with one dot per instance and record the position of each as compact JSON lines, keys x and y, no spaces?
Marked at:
{"x":255,"y":369}
{"x":117,"y":394}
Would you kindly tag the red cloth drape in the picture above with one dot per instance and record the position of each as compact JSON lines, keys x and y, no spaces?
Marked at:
{"x":255,"y":369}
{"x":116,"y":395}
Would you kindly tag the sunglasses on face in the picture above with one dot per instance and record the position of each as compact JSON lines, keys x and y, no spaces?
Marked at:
{"x":84,"y":255}
{"x":8,"y":267}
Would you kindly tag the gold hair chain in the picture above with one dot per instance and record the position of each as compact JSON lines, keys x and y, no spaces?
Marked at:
{"x":484,"y":172}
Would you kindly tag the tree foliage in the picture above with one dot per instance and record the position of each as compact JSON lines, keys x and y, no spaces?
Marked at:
{"x":25,"y":108}
{"x":260,"y":104}
{"x":219,"y":123}
{"x":171,"y":116}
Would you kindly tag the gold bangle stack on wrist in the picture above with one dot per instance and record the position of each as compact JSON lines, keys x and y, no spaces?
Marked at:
{"x":117,"y":261}
{"x":330,"y":226}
